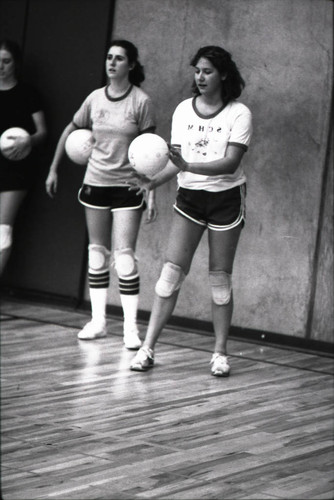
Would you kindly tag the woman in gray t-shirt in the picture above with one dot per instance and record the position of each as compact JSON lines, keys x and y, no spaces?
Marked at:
{"x":116,"y":114}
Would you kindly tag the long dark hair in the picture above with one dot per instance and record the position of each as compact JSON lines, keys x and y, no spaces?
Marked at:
{"x":14,"y":49}
{"x":233,"y":84}
{"x":136,"y":75}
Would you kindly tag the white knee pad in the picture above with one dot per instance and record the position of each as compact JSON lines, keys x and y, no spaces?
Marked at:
{"x":221,"y":287}
{"x":125,"y":263}
{"x":98,"y":258}
{"x":171,"y":279}
{"x":6,"y":236}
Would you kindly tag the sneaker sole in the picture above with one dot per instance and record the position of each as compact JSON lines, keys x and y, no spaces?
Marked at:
{"x":140,"y":368}
{"x":133,"y":347}
{"x":98,"y":336}
{"x":220,"y":374}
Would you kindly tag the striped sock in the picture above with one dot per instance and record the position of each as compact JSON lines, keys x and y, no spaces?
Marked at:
{"x":98,"y":291}
{"x":129,"y":294}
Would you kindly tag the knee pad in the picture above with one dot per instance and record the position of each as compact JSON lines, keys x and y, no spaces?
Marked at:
{"x":170,"y":280}
{"x":6,"y":236}
{"x":125,"y":263}
{"x":98,"y":258}
{"x":221,"y":287}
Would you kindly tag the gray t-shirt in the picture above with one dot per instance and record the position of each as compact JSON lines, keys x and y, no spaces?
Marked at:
{"x":115,"y":122}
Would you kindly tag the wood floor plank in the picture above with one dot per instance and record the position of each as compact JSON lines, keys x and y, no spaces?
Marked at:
{"x":76,"y":423}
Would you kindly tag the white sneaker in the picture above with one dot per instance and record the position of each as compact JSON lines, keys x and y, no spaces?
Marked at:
{"x":93,"y":330}
{"x":220,"y":366}
{"x":131,"y":339}
{"x":143,"y":360}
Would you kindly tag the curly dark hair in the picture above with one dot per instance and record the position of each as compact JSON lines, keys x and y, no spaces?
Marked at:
{"x":136,"y":75}
{"x":14,"y":49}
{"x":233,"y":84}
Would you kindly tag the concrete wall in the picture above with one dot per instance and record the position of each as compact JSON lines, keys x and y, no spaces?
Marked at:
{"x":283,"y":276}
{"x":283,"y":49}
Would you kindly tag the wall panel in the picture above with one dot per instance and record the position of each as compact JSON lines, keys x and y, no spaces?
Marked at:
{"x":322,"y":310}
{"x":284,"y":51}
{"x":12,"y":19}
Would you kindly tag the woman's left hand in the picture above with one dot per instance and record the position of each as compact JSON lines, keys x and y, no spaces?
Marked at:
{"x":176,"y":157}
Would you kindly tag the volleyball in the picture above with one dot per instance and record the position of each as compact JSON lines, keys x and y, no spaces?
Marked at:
{"x":148,"y":154}
{"x":79,"y":145}
{"x":7,"y":140}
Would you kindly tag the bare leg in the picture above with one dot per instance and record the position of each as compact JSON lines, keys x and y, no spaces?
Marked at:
{"x":10,"y":203}
{"x":161,"y":311}
{"x":223,"y":245}
{"x":126,"y":228}
{"x":183,"y":240}
{"x":221,"y":318}
{"x":99,"y":233}
{"x":125,"y":232}
{"x":98,"y":223}
{"x":103,"y":227}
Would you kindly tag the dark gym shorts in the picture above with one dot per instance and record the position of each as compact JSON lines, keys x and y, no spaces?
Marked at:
{"x":18,"y":175}
{"x":111,"y":197}
{"x":219,"y":211}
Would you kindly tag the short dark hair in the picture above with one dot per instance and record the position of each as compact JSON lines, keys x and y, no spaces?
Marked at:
{"x":222,"y":60}
{"x":15,"y":51}
{"x":136,"y":75}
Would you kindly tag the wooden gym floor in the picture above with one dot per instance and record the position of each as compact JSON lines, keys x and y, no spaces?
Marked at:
{"x":76,"y":423}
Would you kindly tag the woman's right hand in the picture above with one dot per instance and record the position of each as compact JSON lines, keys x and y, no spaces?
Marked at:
{"x":19,"y":147}
{"x":51,"y":183}
{"x":141,"y":184}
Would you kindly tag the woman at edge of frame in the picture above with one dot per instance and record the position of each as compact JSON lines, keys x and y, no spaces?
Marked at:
{"x":21,"y":106}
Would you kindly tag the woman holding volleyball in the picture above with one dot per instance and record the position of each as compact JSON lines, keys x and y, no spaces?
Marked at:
{"x":21,"y":107}
{"x":213,"y":131}
{"x":116,"y":114}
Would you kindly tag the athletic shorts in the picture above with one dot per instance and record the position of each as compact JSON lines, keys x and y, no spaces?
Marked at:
{"x":111,"y":197}
{"x":219,"y":211}
{"x":18,"y":175}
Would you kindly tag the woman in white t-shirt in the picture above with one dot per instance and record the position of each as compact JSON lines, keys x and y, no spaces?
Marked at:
{"x":116,"y":114}
{"x":210,"y":134}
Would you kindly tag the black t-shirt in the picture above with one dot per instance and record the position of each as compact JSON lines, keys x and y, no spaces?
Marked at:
{"x":17,"y":106}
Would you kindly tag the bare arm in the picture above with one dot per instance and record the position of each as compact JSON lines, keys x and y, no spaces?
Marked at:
{"x":164,"y":176}
{"x":145,"y":185}
{"x":51,"y":182}
{"x":226,"y":165}
{"x":60,"y":148}
{"x":41,"y":132}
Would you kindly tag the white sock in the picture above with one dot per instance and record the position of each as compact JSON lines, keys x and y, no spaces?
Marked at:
{"x":98,"y":299}
{"x":130,"y":307}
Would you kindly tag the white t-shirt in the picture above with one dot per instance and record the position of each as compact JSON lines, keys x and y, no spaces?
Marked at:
{"x":205,"y":138}
{"x":114,"y":123}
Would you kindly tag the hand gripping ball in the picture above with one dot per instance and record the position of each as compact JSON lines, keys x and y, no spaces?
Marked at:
{"x":7,"y":140}
{"x":148,"y":154}
{"x":79,"y":145}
